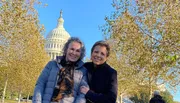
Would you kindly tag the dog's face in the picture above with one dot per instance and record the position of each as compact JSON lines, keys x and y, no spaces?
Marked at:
{"x":67,"y":80}
{"x":66,"y":84}
{"x":65,"y":88}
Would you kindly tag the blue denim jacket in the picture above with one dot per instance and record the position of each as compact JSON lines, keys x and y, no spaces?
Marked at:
{"x":46,"y":83}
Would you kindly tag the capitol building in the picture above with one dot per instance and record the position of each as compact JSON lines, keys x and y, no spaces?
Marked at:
{"x":56,"y":39}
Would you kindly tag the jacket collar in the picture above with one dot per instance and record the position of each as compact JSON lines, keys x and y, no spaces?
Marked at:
{"x":99,"y":66}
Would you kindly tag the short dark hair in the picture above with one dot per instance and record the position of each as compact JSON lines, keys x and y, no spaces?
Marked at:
{"x":74,"y":39}
{"x":102,"y":43}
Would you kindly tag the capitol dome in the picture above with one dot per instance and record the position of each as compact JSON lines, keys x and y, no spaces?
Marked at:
{"x":56,"y":39}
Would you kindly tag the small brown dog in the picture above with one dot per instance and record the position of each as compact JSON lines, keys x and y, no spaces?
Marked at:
{"x":65,"y":85}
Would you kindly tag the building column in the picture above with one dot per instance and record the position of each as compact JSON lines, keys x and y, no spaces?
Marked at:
{"x":50,"y":55}
{"x":54,"y":55}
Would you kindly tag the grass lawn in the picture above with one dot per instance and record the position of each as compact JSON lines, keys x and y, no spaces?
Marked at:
{"x":14,"y":101}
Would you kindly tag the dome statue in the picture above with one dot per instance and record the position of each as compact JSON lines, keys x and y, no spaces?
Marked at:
{"x":56,"y":39}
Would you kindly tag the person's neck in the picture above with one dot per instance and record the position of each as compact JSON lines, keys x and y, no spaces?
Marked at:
{"x":65,"y":62}
{"x":99,"y":66}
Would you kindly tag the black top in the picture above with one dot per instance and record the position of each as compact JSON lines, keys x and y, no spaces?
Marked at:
{"x":103,"y":83}
{"x":157,"y":99}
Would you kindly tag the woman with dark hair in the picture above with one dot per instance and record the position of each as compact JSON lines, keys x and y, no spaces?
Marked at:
{"x":61,"y":79}
{"x":102,"y":78}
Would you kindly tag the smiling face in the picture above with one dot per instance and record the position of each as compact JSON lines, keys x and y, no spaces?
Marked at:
{"x":99,"y":55}
{"x":73,"y":52}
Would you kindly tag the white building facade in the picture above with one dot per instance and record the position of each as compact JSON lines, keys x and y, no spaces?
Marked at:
{"x":56,"y":39}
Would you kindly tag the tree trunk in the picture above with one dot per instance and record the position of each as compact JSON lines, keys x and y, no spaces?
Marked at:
{"x":121,"y":98}
{"x":27,"y":98}
{"x":11,"y":95}
{"x":150,"y":92}
{"x":150,"y":88}
{"x":4,"y":91}
{"x":19,"y":100}
{"x":117,"y":101}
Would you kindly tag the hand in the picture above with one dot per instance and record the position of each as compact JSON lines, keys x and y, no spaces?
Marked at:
{"x":84,"y":89}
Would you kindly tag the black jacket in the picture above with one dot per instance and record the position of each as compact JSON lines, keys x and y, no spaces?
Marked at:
{"x":157,"y":99}
{"x":102,"y":82}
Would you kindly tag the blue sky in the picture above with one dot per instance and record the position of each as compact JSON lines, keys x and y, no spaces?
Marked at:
{"x":82,"y":19}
